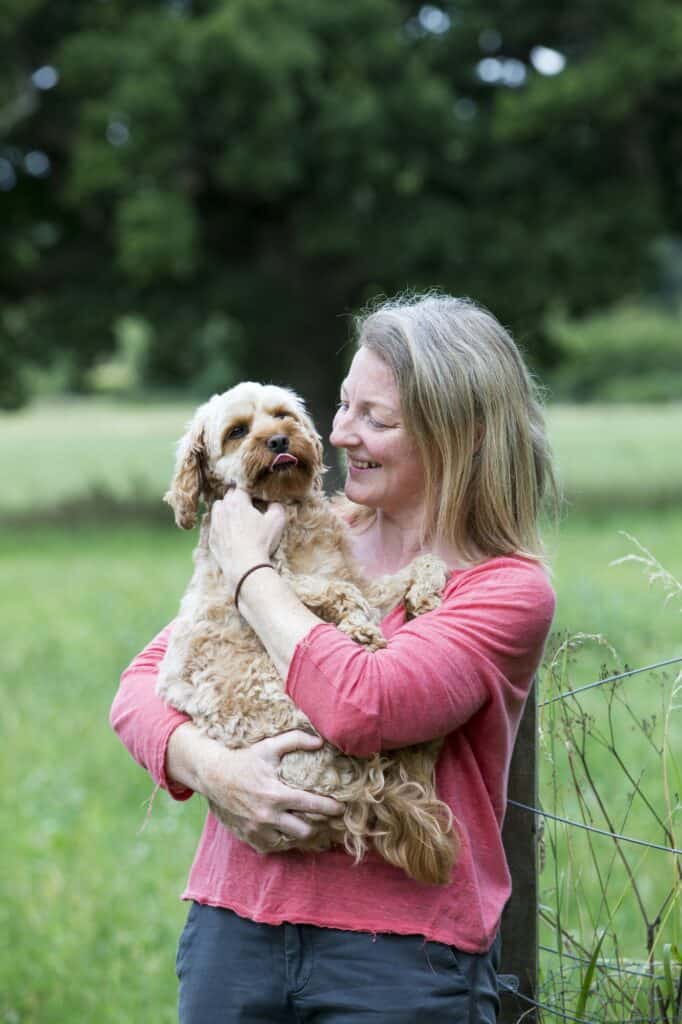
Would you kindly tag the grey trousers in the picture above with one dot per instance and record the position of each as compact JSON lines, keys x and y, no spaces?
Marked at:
{"x":234,"y":970}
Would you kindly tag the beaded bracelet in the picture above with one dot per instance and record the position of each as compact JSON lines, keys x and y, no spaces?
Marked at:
{"x":260,"y":565}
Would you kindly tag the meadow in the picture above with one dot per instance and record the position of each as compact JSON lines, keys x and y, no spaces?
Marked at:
{"x":88,"y":906}
{"x":611,"y":457}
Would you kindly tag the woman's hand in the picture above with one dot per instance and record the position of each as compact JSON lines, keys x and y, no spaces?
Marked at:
{"x":246,"y":784}
{"x":240,"y":536}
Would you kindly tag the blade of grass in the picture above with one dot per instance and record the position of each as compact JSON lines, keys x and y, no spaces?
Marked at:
{"x":588,"y":978}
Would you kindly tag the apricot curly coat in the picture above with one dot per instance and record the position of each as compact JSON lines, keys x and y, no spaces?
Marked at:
{"x":216,"y":669}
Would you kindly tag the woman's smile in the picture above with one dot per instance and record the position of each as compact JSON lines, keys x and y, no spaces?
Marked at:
{"x":384,"y":467}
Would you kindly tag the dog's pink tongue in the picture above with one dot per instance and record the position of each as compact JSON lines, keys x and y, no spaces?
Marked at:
{"x":284,"y":459}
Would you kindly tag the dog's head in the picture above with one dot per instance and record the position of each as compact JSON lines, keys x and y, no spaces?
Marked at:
{"x":257,"y":436}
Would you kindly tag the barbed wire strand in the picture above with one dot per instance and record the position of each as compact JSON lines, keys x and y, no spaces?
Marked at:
{"x":604,"y":964}
{"x":568,"y":1016}
{"x":609,"y":679}
{"x":593,"y":828}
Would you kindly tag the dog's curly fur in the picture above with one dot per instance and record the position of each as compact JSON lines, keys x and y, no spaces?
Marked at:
{"x":216,"y":669}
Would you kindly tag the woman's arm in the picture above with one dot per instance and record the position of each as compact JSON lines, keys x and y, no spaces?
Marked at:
{"x":142,"y":721}
{"x":484,"y":643}
{"x":245,"y":782}
{"x":241,"y":537}
{"x":183,"y":760}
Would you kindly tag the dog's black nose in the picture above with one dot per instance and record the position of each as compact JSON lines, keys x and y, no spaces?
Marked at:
{"x":278,"y":443}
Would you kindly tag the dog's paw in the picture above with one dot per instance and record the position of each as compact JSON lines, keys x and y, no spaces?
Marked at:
{"x":363,"y":632}
{"x":429,"y":575}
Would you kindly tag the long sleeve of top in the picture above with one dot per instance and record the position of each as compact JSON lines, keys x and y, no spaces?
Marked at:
{"x":437,"y":672}
{"x":142,"y":720}
{"x":462,"y":672}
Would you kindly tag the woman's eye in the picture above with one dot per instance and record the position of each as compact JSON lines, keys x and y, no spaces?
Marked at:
{"x":376,"y":423}
{"x":341,"y":406}
{"x":237,"y":431}
{"x":281,"y":415}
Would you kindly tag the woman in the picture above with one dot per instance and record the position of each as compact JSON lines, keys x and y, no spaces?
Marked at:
{"x":446,"y":452}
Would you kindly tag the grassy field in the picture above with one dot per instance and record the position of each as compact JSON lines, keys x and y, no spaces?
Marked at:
{"x":610,"y":457}
{"x":618,"y":456}
{"x":88,"y":909}
{"x":60,"y":450}
{"x":88,"y":904}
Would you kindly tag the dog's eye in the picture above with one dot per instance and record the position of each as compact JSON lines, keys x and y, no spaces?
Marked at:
{"x":237,"y":431}
{"x":280,"y":415}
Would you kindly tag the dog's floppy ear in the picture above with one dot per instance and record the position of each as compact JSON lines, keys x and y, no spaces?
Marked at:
{"x":188,"y":482}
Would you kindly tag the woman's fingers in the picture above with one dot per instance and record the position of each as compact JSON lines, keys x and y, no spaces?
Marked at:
{"x":300,"y":800}
{"x":296,"y":739}
{"x":275,"y":519}
{"x":245,"y":783}
{"x":313,"y":803}
{"x":240,"y":536}
{"x":296,"y":828}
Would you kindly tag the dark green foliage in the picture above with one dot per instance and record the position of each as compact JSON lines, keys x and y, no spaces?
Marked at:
{"x":273,"y":164}
{"x":630,"y":354}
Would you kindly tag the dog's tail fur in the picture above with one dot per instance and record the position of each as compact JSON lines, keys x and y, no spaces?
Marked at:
{"x":407,"y":823}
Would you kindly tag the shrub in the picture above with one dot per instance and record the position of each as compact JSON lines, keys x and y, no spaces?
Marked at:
{"x":630,"y":353}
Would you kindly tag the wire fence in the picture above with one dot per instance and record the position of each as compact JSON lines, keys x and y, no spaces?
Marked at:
{"x":610,"y":679}
{"x":593,"y":828}
{"x":588,"y":989}
{"x":558,"y":1014}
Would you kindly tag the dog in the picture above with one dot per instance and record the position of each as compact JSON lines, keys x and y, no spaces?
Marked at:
{"x":216,"y":669}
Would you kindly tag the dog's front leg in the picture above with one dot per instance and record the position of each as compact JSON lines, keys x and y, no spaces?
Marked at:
{"x":419,"y":586}
{"x":342,"y":604}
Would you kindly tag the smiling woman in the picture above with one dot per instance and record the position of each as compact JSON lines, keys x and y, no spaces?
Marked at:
{"x":385,"y":469}
{"x":472,"y":409}
{"x":447,"y":457}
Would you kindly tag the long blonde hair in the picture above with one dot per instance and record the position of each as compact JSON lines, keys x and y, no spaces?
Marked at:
{"x":473,"y":409}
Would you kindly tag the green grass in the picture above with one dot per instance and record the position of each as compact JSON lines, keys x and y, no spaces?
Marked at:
{"x":618,"y":456}
{"x":88,"y":906}
{"x":610,"y":457}
{"x":88,"y":909}
{"x":58,"y":450}
{"x":595,"y":596}
{"x":620,"y":729}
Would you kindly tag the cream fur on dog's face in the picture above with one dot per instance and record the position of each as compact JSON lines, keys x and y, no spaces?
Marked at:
{"x":256,"y":436}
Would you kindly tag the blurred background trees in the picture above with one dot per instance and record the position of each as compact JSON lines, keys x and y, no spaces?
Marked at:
{"x":193,"y":191}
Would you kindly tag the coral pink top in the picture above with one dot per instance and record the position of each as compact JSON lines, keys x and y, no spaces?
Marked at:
{"x":462,"y":672}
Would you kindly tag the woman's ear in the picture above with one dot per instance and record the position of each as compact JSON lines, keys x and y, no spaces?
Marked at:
{"x":187,"y":485}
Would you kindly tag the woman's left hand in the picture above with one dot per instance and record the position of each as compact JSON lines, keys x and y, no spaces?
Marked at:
{"x":240,"y":536}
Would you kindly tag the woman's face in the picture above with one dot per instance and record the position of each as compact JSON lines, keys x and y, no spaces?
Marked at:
{"x":384,"y":468}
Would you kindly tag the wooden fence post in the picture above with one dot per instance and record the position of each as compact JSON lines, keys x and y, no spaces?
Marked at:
{"x":520,"y":833}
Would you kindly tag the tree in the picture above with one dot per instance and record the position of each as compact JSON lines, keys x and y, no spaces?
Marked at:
{"x":243,"y":173}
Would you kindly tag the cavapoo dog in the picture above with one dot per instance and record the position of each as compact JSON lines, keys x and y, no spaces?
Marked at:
{"x":216,"y":669}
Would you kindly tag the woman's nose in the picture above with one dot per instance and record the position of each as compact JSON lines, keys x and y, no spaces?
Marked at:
{"x":341,"y":435}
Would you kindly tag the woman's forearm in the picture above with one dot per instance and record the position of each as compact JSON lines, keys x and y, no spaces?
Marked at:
{"x":184,"y":757}
{"x":245,"y":783}
{"x":240,"y":538}
{"x":274,"y":612}
{"x":141,"y":719}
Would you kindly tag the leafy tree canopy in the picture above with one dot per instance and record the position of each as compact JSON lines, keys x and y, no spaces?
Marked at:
{"x":239,"y":174}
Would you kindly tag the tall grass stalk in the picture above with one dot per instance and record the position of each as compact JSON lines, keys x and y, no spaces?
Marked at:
{"x":612,"y":912}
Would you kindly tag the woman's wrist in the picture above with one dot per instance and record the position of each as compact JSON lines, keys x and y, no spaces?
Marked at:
{"x":185,"y":757}
{"x":237,"y":566}
{"x":245,"y":575}
{"x":276,"y":615}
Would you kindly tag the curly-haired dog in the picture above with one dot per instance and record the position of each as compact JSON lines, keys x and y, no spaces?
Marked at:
{"x":216,"y":669}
